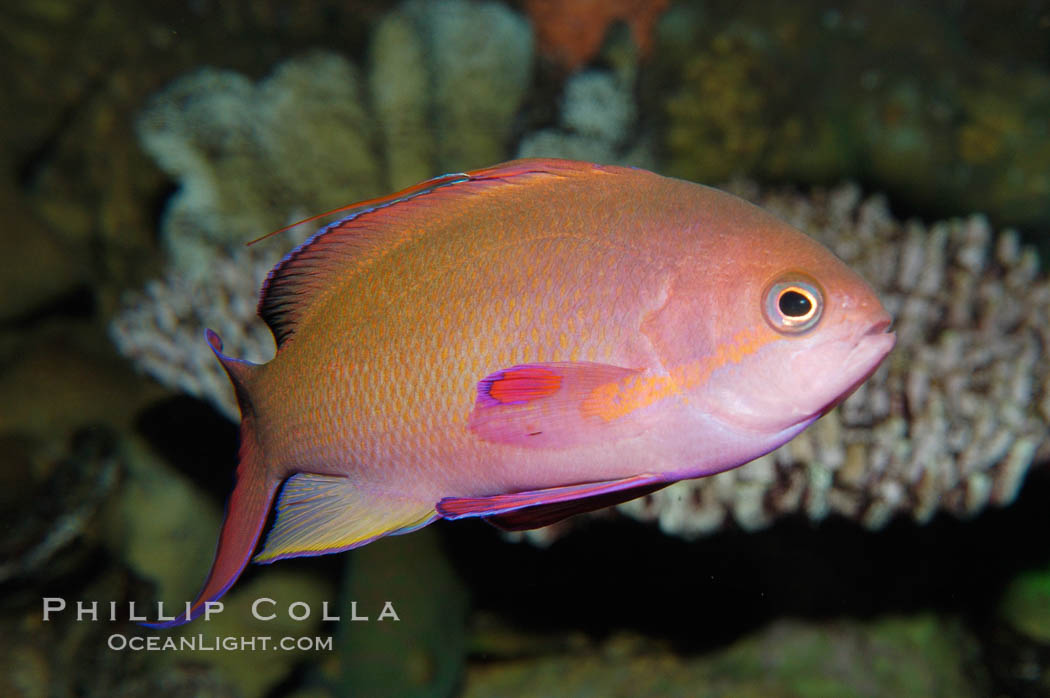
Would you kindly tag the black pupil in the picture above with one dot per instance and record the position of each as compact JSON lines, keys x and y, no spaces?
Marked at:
{"x":794,"y":304}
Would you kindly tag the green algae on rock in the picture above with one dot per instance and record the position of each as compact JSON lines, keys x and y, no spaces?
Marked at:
{"x":45,"y":271}
{"x":422,"y":653}
{"x":157,"y":523}
{"x":1026,"y":604}
{"x":245,"y":616}
{"x":887,"y":657}
{"x":887,"y":95}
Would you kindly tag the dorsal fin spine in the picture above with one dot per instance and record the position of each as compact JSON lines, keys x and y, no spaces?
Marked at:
{"x":273,"y":311}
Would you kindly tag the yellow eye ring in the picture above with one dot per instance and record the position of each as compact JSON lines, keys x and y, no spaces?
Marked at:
{"x":793,"y":304}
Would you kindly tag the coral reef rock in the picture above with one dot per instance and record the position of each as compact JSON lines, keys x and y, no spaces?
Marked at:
{"x":445,"y":81}
{"x":894,"y":656}
{"x":481,"y":60}
{"x":157,"y":524}
{"x":296,"y":613}
{"x":51,"y":510}
{"x":422,"y":653}
{"x":597,"y":124}
{"x":216,"y":132}
{"x":45,"y":271}
{"x":892,"y":95}
{"x":1026,"y":604}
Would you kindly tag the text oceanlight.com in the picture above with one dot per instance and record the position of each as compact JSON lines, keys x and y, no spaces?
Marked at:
{"x":229,"y":643}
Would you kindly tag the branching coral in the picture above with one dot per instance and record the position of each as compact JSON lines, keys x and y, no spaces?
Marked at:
{"x":162,"y":327}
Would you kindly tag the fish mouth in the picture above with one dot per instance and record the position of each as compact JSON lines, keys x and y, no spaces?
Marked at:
{"x":871,"y":348}
{"x":881,"y":326}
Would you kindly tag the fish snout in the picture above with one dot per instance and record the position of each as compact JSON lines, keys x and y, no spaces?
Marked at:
{"x":882,"y":325}
{"x":874,"y":339}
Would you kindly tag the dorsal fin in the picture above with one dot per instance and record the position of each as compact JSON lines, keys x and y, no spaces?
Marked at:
{"x":372,"y":228}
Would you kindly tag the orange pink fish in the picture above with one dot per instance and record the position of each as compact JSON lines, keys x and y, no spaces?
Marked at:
{"x":527,"y":342}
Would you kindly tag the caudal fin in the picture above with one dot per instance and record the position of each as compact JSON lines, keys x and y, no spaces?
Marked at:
{"x":249,"y":504}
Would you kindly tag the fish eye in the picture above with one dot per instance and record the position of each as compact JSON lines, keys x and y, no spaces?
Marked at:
{"x":793,"y":304}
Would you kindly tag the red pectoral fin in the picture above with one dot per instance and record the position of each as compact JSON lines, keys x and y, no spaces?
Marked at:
{"x":534,"y":508}
{"x":542,"y":405}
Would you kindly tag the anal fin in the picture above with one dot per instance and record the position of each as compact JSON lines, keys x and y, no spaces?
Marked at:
{"x":518,"y":511}
{"x":547,"y":514}
{"x":321,"y":514}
